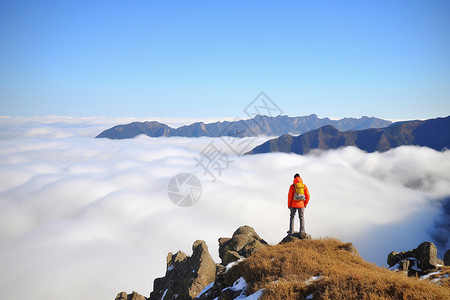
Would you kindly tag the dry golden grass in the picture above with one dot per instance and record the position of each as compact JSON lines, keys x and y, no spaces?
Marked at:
{"x":283,"y":270}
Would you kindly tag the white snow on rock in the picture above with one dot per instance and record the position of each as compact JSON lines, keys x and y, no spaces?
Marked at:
{"x":429,"y":275}
{"x":165,"y":292}
{"x":207,"y":288}
{"x":437,"y":279}
{"x":312,"y":279}
{"x":241,"y":285}
{"x":395,"y":267}
{"x":231,"y":264}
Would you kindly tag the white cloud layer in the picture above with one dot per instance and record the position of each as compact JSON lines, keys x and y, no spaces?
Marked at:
{"x":85,"y":218}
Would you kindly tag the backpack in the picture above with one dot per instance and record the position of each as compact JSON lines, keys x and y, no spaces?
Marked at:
{"x":299,"y":194}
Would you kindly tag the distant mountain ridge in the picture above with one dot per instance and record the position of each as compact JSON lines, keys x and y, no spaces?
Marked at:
{"x":259,"y":125}
{"x":433,"y":133}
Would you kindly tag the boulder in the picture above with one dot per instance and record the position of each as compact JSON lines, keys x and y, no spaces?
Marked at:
{"x":447,"y":258}
{"x":230,"y":256}
{"x":294,"y":237}
{"x":244,"y":242}
{"x":416,"y":262}
{"x":392,"y":258}
{"x":426,"y":253}
{"x":185,"y":276}
{"x":132,"y":296}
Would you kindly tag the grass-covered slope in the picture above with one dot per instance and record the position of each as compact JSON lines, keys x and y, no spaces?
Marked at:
{"x":328,"y":269}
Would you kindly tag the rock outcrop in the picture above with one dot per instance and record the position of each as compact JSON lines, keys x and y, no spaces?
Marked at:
{"x":295,"y":236}
{"x":186,"y":276}
{"x":132,"y":296}
{"x":199,"y":277}
{"x":447,"y":258}
{"x":416,"y":262}
{"x":244,"y":242}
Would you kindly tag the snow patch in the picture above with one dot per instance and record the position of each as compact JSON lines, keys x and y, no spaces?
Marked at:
{"x":231,"y":264}
{"x":239,"y":284}
{"x":207,"y":288}
{"x":165,"y":292}
{"x":312,"y":279}
{"x":415,"y":265}
{"x":395,"y":267}
{"x":429,"y":275}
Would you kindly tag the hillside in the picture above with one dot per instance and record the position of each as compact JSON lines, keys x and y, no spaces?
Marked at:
{"x":326,"y":269}
{"x":259,"y":125}
{"x":433,"y":133}
{"x":297,"y":269}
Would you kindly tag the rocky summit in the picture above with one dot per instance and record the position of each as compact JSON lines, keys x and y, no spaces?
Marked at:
{"x":294,"y":236}
{"x":417,"y":262}
{"x":299,"y":267}
{"x":244,"y":242}
{"x":185,"y":276}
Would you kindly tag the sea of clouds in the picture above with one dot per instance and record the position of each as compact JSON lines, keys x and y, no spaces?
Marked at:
{"x":85,"y":218}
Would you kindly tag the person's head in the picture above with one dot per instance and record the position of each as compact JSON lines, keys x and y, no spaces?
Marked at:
{"x":296,"y":175}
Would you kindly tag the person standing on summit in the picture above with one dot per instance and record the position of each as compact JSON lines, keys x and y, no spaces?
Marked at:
{"x":298,"y":198}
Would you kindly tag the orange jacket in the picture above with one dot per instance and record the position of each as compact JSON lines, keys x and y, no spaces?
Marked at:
{"x":291,"y":201}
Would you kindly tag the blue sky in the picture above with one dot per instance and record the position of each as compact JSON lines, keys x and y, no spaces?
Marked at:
{"x":198,"y":59}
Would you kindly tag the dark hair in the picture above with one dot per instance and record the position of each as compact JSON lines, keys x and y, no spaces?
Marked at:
{"x":296,"y":175}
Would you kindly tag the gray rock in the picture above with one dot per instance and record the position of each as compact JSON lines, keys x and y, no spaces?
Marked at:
{"x":133,"y":296}
{"x":239,"y":241}
{"x":230,"y":256}
{"x":186,"y":276}
{"x":416,"y":262}
{"x":426,"y":253}
{"x":392,"y":258}
{"x":404,"y":265}
{"x":175,"y":258}
{"x":244,"y":242}
{"x":294,"y":237}
{"x":223,"y":244}
{"x":447,"y":258}
{"x":247,"y":230}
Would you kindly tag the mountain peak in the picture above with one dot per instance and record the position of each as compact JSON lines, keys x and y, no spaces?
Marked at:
{"x":297,"y":268}
{"x":433,"y":133}
{"x":259,"y":125}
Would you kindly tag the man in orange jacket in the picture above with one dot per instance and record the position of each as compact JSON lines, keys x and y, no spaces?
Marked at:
{"x":298,"y":198}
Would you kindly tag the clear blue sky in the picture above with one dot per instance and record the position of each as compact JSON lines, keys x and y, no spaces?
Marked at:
{"x":389,"y":59}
